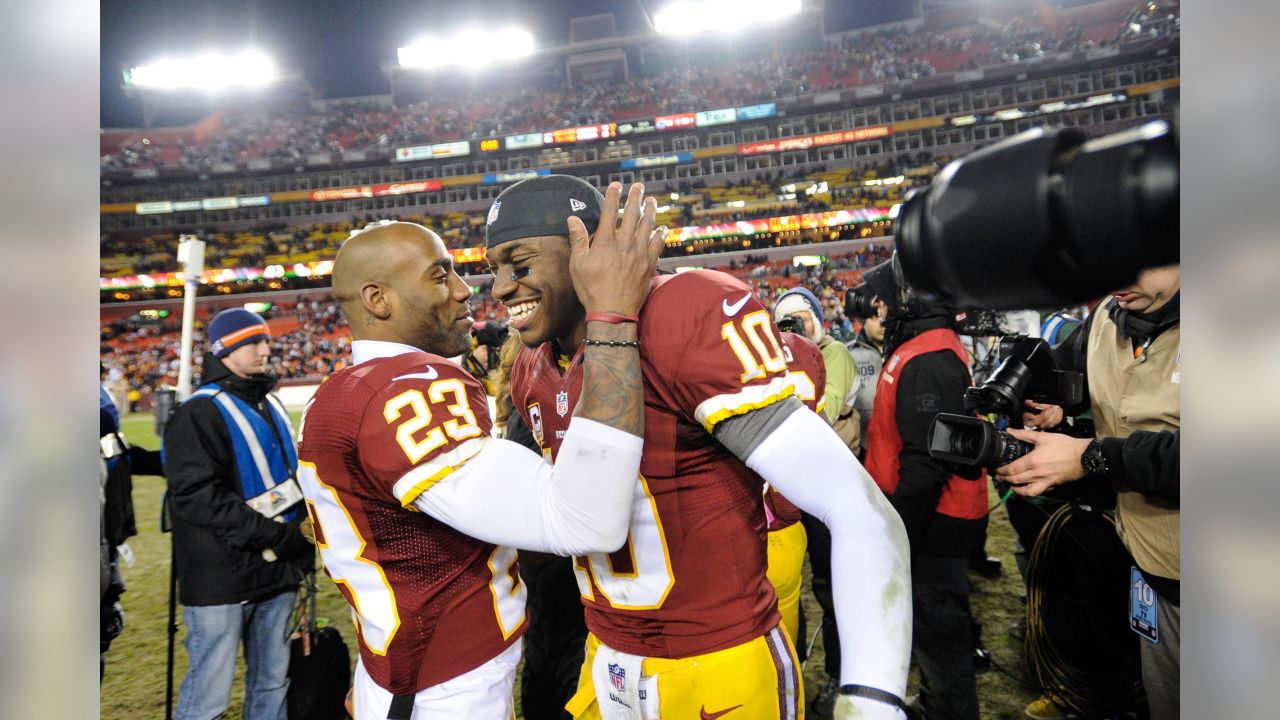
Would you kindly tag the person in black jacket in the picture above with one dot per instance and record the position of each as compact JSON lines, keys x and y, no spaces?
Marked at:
{"x":925,"y":373}
{"x":239,"y":546}
{"x":120,"y":461}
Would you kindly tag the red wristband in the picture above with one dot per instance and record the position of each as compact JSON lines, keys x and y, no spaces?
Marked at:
{"x":612,"y":318}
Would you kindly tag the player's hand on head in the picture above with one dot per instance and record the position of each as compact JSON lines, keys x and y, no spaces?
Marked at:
{"x":611,"y":271}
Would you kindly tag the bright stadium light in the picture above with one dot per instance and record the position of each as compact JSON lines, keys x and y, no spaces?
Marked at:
{"x":686,"y":17}
{"x":471,"y":48}
{"x":211,"y":71}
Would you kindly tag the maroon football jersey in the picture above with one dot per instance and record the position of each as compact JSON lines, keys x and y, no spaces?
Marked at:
{"x":809,"y":375}
{"x":691,"y":577}
{"x":429,"y":602}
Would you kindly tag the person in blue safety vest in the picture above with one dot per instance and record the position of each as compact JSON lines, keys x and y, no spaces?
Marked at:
{"x":240,"y":545}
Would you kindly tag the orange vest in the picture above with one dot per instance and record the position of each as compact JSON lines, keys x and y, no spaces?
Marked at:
{"x":961,"y":498}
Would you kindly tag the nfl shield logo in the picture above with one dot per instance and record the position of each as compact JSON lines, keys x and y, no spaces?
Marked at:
{"x":562,"y":403}
{"x":618,"y":676}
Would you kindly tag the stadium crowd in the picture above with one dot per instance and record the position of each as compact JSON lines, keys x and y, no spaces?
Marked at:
{"x":140,"y":355}
{"x":841,"y":63}
{"x":266,"y":244}
{"x":312,"y":338}
{"x":700,"y":203}
{"x":828,"y":280}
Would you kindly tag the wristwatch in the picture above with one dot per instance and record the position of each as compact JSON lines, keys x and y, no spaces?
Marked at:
{"x":1092,"y":459}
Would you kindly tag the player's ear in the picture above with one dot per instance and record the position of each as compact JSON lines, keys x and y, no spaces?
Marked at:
{"x":375,"y":300}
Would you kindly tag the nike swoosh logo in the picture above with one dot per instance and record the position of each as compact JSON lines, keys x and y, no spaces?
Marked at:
{"x":430,"y":374}
{"x":733,"y":309}
{"x":712,"y":716}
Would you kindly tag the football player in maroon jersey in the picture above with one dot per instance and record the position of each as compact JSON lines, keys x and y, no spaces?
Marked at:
{"x":683,"y":621}
{"x":417,"y":510}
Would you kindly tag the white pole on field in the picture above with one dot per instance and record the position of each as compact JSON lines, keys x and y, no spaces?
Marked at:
{"x":191,"y":255}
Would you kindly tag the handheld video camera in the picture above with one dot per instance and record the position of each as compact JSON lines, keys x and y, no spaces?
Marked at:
{"x":859,"y":302}
{"x":791,"y":324}
{"x":1045,"y":219}
{"x":1027,"y":371}
{"x":884,"y":282}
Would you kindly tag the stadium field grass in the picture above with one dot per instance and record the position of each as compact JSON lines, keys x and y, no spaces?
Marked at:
{"x":134,"y":686}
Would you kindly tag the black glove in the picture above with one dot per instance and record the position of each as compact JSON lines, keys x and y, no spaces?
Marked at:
{"x":110,"y":624}
{"x":293,"y":544}
{"x":145,"y":462}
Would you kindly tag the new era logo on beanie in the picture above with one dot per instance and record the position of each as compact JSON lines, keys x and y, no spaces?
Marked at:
{"x":536,"y":207}
{"x":232,"y":328}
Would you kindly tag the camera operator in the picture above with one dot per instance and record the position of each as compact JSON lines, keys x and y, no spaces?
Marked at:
{"x":926,"y":372}
{"x":842,"y":374}
{"x":1130,"y":351}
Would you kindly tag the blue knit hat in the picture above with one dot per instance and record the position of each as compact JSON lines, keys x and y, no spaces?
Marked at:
{"x":789,"y":302}
{"x":232,"y":328}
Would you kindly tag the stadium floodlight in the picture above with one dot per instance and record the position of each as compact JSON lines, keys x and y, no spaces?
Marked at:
{"x":212,"y":71}
{"x":470,"y":49}
{"x":686,"y":17}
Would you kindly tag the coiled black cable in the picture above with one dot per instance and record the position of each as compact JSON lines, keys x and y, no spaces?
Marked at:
{"x":1078,"y":643}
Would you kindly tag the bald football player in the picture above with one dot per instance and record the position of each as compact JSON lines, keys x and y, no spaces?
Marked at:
{"x":417,"y":509}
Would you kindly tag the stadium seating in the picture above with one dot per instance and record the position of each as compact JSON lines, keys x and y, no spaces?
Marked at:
{"x":848,"y":63}
{"x":124,"y":255}
{"x":842,"y":62}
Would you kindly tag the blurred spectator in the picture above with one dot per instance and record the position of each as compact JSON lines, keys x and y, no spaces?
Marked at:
{"x":867,"y":348}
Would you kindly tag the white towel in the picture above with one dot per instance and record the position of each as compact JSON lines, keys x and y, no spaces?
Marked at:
{"x":616,"y":676}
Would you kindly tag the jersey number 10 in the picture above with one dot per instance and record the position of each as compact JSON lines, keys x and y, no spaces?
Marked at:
{"x":763,"y":339}
{"x":638,"y":576}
